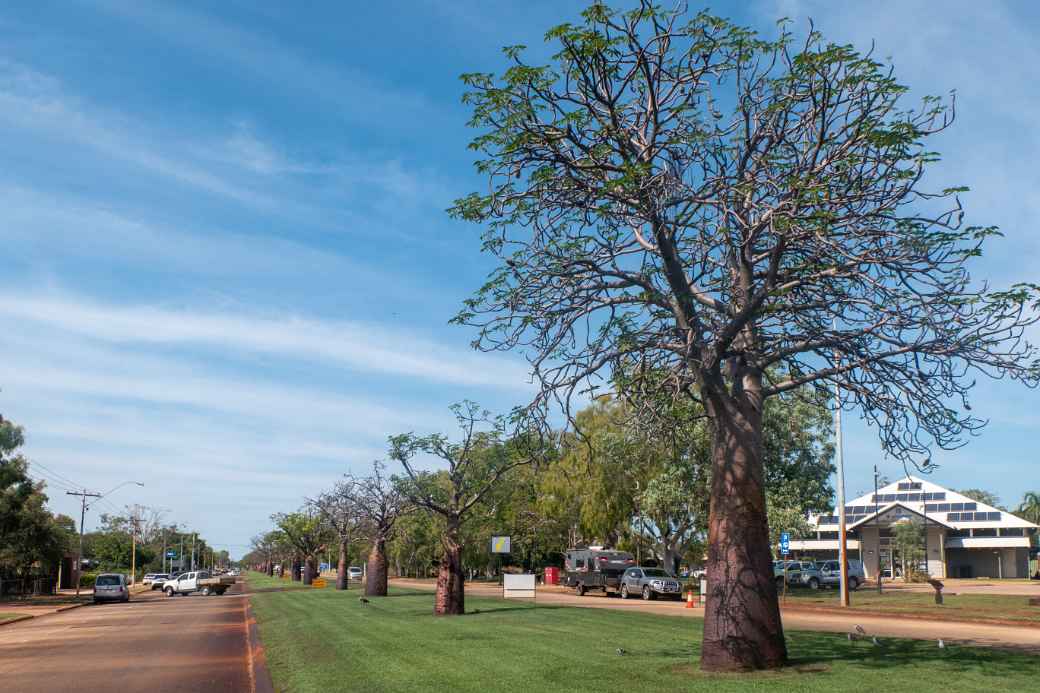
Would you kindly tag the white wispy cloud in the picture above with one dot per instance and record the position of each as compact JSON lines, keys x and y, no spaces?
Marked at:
{"x":358,"y":346}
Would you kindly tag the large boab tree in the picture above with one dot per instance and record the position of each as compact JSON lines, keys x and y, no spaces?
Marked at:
{"x":475,"y":465}
{"x":676,"y":193}
{"x":380,"y":502}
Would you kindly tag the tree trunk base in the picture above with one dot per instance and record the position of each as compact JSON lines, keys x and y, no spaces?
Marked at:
{"x":450,"y":599}
{"x":376,"y":578}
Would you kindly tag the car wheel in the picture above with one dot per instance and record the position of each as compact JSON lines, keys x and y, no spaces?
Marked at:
{"x":624,"y":591}
{"x":853,"y":583}
{"x":205,"y":591}
{"x":647,"y":594}
{"x":579,"y":589}
{"x":814,"y":584}
{"x":169,"y":591}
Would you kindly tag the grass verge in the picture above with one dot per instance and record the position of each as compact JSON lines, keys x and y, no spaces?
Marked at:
{"x":961,"y":607}
{"x":321,"y":640}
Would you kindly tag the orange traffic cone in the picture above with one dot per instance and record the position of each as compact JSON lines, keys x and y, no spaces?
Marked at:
{"x":689,"y":599}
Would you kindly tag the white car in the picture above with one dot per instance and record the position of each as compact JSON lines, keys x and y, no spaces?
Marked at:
{"x":354,"y":573}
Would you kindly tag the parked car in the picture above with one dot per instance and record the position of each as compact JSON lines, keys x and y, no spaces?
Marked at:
{"x":157,"y":581}
{"x":147,"y":579}
{"x":650,"y":583}
{"x":111,"y":587}
{"x":793,"y":571}
{"x":829,"y":573}
{"x":354,"y":573}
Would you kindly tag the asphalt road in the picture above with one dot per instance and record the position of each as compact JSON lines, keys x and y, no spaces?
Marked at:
{"x":154,"y":643}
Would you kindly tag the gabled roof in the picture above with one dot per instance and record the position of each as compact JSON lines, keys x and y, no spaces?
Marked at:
{"x":881,"y":511}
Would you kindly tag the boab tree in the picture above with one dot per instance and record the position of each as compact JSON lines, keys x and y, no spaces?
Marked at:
{"x":305,"y":533}
{"x":675,"y":192}
{"x":380,"y":502}
{"x":341,"y":514}
{"x":475,"y":465}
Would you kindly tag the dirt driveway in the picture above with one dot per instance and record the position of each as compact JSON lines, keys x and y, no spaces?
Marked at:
{"x":1011,"y":637}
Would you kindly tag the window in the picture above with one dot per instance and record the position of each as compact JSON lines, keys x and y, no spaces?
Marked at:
{"x":579,"y":564}
{"x":1012,"y":532}
{"x":909,"y":486}
{"x":984,"y":532}
{"x":953,"y":517}
{"x":958,"y":533}
{"x":828,"y":535}
{"x":970,"y":506}
{"x":655,"y":572}
{"x":914,"y":497}
{"x":108,"y":581}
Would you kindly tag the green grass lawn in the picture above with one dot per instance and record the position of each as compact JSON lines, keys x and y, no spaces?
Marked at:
{"x":955,"y":606}
{"x":323,"y":640}
{"x":5,"y":617}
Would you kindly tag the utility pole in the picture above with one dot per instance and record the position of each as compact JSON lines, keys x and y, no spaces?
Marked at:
{"x":877,"y":524}
{"x":842,"y":544}
{"x":180,"y":556}
{"x":82,"y":516}
{"x":193,"y":550}
{"x":164,"y":549}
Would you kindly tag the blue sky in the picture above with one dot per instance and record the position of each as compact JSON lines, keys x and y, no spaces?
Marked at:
{"x":226,"y":270}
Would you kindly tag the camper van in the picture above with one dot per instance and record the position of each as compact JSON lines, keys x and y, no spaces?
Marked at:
{"x":595,"y":568}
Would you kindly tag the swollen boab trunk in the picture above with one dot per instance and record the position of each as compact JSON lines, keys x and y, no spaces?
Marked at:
{"x":295,"y":577}
{"x":742,"y":629}
{"x":342,"y":580}
{"x":375,"y":578}
{"x":450,"y":599}
{"x":308,"y":570}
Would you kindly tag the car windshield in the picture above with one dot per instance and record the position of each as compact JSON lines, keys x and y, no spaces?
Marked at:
{"x":107,"y":580}
{"x":655,"y":572}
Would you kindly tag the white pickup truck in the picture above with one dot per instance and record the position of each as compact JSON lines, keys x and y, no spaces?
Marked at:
{"x":198,"y":581}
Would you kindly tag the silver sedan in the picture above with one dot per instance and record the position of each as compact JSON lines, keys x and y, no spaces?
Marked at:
{"x":649,"y":583}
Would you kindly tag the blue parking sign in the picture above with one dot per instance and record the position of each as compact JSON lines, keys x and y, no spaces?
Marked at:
{"x":785,"y":543}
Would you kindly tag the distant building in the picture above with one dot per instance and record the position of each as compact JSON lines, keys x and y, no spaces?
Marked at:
{"x":965,"y":538}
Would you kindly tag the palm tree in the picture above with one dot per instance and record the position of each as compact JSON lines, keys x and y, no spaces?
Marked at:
{"x":1029,"y":508}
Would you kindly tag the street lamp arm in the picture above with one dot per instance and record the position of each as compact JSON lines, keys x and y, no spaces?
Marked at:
{"x":116,"y":488}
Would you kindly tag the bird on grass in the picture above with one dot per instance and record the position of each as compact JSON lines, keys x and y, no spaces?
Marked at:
{"x":362,"y":600}
{"x":620,"y":652}
{"x":942,"y":645}
{"x":875,"y":641}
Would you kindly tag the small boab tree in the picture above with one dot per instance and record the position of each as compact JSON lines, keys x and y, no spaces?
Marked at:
{"x":341,"y":514}
{"x":305,"y":533}
{"x":676,"y":193}
{"x":475,"y":465}
{"x":380,"y":502}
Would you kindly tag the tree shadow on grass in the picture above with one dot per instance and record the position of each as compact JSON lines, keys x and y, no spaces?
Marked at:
{"x":813,"y":649}
{"x":531,"y":607}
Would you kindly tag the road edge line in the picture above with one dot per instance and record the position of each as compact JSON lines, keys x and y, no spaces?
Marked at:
{"x":259,"y":676}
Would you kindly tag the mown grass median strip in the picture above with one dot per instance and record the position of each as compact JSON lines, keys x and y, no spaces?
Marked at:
{"x":319,"y":640}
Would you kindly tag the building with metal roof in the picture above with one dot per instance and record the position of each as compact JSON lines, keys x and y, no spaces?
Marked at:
{"x":963,"y":538}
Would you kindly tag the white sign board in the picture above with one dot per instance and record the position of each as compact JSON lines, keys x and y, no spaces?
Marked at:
{"x":518,"y":586}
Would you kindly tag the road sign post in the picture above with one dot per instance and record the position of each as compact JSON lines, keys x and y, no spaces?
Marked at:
{"x":785,"y":549}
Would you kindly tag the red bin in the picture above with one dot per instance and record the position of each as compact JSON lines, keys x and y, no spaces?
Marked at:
{"x":552,"y":575}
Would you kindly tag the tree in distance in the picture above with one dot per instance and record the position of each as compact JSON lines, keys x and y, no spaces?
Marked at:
{"x":475,"y":465}
{"x":380,"y":503}
{"x":305,"y":533}
{"x":677,"y":194}
{"x":341,"y":513}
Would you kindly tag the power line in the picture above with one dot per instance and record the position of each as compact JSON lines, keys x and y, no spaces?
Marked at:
{"x":57,"y":475}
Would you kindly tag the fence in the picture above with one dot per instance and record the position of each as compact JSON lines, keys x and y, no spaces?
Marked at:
{"x":26,"y":586}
